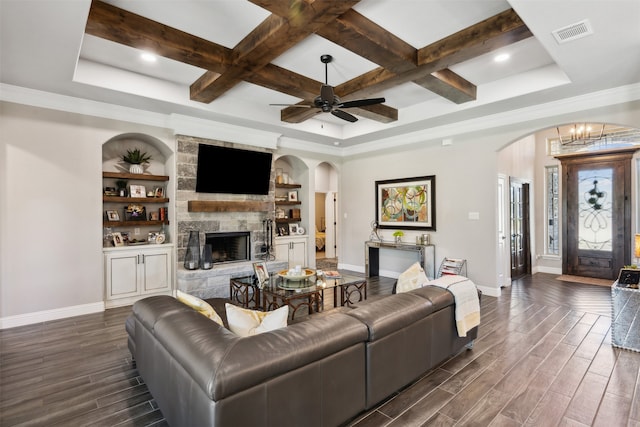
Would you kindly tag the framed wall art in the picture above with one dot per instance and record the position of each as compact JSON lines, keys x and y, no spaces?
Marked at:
{"x":407,"y":203}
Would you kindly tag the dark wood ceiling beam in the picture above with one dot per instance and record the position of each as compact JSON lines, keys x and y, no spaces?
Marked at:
{"x":286,"y":81}
{"x":493,"y":33}
{"x":501,"y":30}
{"x":369,"y":40}
{"x":120,"y":26}
{"x":449,"y":85}
{"x":269,"y":40}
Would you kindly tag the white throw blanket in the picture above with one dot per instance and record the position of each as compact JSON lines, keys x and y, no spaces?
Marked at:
{"x":466,"y":300}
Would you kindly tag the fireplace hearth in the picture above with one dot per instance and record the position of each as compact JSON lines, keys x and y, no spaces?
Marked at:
{"x":230,"y":246}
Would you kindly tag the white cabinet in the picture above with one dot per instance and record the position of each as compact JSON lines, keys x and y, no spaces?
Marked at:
{"x":292,"y":250}
{"x":132,"y":273}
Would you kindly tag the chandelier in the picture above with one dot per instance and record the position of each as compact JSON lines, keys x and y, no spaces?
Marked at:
{"x":581,"y":134}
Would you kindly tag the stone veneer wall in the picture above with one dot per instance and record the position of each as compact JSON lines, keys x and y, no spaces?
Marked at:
{"x":187,"y":164}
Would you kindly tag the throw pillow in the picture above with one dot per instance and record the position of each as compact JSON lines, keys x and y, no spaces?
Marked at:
{"x":412,"y":278}
{"x":199,"y":305}
{"x":245,"y":322}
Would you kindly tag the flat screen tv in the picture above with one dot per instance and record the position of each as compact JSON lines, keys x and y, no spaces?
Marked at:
{"x":232,"y":171}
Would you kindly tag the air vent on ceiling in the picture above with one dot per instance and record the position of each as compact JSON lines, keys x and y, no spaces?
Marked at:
{"x":573,"y":31}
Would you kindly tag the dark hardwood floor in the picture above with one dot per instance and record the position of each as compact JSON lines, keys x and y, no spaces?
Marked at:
{"x":543,"y":358}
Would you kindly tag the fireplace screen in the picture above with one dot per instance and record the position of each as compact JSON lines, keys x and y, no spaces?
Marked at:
{"x":229,"y":246}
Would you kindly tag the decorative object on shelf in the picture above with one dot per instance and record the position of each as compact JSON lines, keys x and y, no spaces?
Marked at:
{"x":110,"y":191}
{"x":283,"y":231}
{"x":279,"y":178}
{"x":374,"y":236}
{"x":107,"y":237}
{"x":136,"y":159}
{"x":206,"y":261}
{"x":112,"y":215}
{"x":135,"y":213}
{"x":279,"y":213}
{"x":192,"y":255}
{"x":301,"y":230}
{"x":160,"y":238}
{"x":398,"y":236}
{"x":150,"y":193}
{"x":121,"y":184}
{"x":293,"y":228}
{"x":294,"y":213}
{"x":154,"y":216}
{"x":423,"y":239}
{"x":158,"y":192}
{"x":137,"y":191}
{"x":260,"y":270}
{"x":408,"y":203}
{"x":293,"y":196}
{"x":285,"y":178}
{"x":117,"y":239}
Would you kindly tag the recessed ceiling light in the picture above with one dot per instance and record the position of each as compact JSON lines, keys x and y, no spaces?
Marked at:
{"x":148,"y":57}
{"x":502,"y":57}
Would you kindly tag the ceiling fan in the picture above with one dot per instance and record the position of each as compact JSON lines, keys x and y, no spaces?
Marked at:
{"x":328,"y":102}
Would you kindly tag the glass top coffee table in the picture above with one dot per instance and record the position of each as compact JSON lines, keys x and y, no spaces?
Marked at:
{"x":298,"y":293}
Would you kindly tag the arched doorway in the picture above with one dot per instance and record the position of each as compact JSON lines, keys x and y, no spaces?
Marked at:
{"x":535,"y":159}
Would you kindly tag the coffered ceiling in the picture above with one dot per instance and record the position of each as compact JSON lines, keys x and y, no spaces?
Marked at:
{"x":231,"y":60}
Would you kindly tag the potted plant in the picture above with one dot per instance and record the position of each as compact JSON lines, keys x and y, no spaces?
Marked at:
{"x":136,"y":159}
{"x":398,"y":235}
{"x":121,"y":184}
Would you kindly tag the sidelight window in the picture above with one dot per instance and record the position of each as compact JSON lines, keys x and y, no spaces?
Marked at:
{"x":553,"y":210}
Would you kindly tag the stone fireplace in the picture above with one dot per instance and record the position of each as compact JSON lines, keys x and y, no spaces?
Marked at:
{"x":238,"y":234}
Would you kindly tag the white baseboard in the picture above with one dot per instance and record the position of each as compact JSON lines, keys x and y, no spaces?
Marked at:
{"x":489,"y":291}
{"x":543,"y":269}
{"x":47,"y":315}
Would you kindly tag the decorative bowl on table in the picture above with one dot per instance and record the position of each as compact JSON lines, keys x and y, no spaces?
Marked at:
{"x":302,"y":275}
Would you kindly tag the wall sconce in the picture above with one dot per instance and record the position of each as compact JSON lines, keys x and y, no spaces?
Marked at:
{"x":637,"y":246}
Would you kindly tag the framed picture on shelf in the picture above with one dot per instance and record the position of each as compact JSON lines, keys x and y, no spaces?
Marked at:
{"x":158,"y":192}
{"x":118,"y":240}
{"x":283,"y":231}
{"x":293,"y":229}
{"x":137,"y":191}
{"x":113,"y":216}
{"x":260,"y":270}
{"x":293,"y":196}
{"x":407,"y":203}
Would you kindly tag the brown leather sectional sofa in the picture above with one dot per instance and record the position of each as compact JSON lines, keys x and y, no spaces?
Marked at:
{"x":323,"y":371}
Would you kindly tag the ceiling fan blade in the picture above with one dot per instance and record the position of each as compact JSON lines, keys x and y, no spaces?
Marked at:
{"x":360,"y":102}
{"x":291,"y":105}
{"x":326,"y":94}
{"x":344,"y":115}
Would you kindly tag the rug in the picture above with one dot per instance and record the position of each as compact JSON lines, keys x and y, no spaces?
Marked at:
{"x":327,"y":263}
{"x":585,"y":280}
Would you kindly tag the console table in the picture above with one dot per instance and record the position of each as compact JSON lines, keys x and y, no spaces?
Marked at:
{"x":625,"y":321}
{"x":426,"y":255}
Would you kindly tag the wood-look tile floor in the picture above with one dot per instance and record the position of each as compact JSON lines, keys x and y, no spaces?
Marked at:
{"x":543,"y":358}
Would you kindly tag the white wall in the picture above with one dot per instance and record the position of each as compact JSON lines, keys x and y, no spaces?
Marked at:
{"x":51,"y":211}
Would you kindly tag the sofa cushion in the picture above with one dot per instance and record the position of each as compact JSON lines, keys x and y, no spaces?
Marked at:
{"x":245,"y":322}
{"x":199,"y":305}
{"x":389,"y":314}
{"x":439,"y":297}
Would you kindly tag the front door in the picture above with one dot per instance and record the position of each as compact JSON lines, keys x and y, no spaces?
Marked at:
{"x":597,"y":218}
